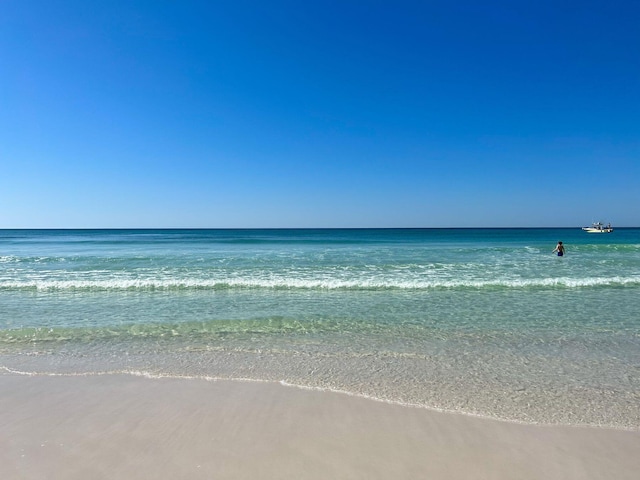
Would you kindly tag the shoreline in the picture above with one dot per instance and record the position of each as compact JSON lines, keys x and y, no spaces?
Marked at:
{"x":271,"y":380}
{"x":125,"y":426}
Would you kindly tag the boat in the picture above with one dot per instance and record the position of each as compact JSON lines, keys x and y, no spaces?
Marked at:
{"x":598,"y":228}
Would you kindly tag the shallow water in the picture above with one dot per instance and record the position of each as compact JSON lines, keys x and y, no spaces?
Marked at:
{"x":482,"y":321}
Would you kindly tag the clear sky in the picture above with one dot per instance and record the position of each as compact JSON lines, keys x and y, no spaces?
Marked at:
{"x":309,"y":113}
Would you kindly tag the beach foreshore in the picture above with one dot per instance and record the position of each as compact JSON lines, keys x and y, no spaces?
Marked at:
{"x":128,"y":427}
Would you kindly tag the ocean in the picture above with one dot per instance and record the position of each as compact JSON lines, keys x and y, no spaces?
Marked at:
{"x":484,"y":322}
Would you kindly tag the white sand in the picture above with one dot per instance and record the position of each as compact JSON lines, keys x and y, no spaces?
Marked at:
{"x":123,"y":427}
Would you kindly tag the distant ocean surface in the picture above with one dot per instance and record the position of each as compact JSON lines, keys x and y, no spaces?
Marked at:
{"x":480,"y":321}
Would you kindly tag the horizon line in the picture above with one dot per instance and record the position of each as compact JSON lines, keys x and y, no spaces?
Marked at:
{"x":306,"y":228}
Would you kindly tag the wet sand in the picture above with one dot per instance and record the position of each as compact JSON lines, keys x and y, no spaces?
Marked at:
{"x":126,"y":427}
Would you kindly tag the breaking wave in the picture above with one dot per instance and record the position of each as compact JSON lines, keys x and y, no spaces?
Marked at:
{"x":310,"y":283}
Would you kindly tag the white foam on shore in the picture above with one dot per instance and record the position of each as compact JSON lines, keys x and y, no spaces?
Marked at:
{"x":284,"y":383}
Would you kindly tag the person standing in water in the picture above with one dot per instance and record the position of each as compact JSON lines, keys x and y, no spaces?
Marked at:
{"x":560,"y":249}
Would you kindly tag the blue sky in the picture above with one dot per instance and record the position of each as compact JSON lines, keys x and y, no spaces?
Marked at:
{"x":319,"y":114}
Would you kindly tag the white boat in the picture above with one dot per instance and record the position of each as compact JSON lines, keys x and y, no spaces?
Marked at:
{"x":598,"y":228}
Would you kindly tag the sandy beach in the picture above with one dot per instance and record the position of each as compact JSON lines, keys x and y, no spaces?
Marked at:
{"x":126,"y":427}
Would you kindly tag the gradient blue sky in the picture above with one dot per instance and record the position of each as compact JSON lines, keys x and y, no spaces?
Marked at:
{"x":319,"y":114}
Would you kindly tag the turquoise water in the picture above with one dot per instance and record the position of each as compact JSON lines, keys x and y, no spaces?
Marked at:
{"x":480,"y":321}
